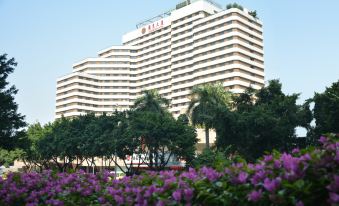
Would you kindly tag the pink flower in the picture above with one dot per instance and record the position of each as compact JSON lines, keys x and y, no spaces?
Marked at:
{"x":334,"y":197}
{"x":323,"y":140}
{"x":277,"y":164}
{"x":295,"y":150}
{"x":290,"y":163}
{"x":101,"y":200}
{"x":299,"y":203}
{"x":254,"y":196}
{"x":210,"y":173}
{"x":177,"y":195}
{"x":334,"y":186}
{"x":272,"y":185}
{"x":191,"y":174}
{"x":119,"y":199}
{"x":268,"y":158}
{"x":259,"y":167}
{"x":336,"y":158}
{"x":305,"y":157}
{"x":188,"y":194}
{"x":242,"y":177}
{"x":160,"y":203}
{"x":331,"y":147}
{"x":258,"y":176}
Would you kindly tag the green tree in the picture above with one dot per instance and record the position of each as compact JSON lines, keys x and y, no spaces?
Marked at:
{"x":107,"y":139}
{"x":68,"y":143}
{"x":7,"y":157}
{"x":10,"y":120}
{"x":162,"y":138}
{"x":326,"y":111}
{"x":150,"y":132}
{"x":151,"y":101}
{"x":183,"y":118}
{"x":127,"y":143}
{"x":206,"y":101}
{"x":262,"y":125}
{"x":89,"y":130}
{"x":32,"y":156}
{"x":59,"y":145}
{"x":215,"y":158}
{"x":234,"y":5}
{"x":244,"y":101}
{"x":254,"y":14}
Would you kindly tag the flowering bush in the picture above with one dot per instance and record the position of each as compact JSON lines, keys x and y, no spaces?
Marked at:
{"x":304,"y":177}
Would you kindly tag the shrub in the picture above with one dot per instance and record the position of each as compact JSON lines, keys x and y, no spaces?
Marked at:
{"x":253,"y":14}
{"x":234,"y":5}
{"x":304,"y":177}
{"x":216,"y":159}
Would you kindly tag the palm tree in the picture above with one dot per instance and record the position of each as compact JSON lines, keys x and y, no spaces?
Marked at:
{"x":151,"y":101}
{"x":206,"y":100}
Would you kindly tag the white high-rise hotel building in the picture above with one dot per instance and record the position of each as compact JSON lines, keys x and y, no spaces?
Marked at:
{"x":198,"y":42}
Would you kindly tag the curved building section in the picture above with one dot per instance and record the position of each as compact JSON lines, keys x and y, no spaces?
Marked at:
{"x":198,"y":42}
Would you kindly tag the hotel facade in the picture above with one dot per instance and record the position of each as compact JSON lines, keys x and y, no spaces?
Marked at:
{"x":197,"y":42}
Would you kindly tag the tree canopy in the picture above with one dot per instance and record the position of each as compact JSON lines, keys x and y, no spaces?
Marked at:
{"x":206,"y":101}
{"x":148,"y":131}
{"x":162,"y":137}
{"x":262,"y":121}
{"x":326,"y":110}
{"x":11,"y":122}
{"x":151,"y":101}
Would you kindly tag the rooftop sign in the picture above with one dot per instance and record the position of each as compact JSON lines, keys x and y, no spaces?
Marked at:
{"x":152,"y":27}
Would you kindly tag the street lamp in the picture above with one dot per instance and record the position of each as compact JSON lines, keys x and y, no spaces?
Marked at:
{"x":115,"y":155}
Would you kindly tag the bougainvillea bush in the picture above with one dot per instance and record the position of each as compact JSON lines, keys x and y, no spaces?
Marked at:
{"x":304,"y":177}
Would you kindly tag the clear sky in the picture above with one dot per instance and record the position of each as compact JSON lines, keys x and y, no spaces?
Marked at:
{"x":46,"y":37}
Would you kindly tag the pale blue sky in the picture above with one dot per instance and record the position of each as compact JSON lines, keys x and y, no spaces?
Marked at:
{"x":46,"y":37}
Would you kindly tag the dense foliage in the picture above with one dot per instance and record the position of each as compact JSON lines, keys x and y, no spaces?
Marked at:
{"x":326,"y":110}
{"x":206,"y":101}
{"x":304,"y":177}
{"x":148,"y":131}
{"x":151,"y":101}
{"x":10,"y":120}
{"x":217,"y":159}
{"x":261,"y":121}
{"x":234,"y":5}
{"x":250,"y":123}
{"x":162,"y":137}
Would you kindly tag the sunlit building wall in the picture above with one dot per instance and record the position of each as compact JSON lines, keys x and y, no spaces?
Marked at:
{"x":196,"y":43}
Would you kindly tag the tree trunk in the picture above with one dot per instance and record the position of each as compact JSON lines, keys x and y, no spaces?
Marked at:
{"x":150,"y":159}
{"x":207,"y":136}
